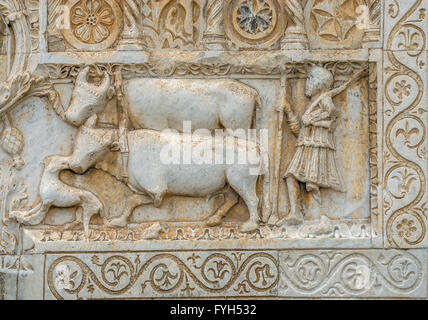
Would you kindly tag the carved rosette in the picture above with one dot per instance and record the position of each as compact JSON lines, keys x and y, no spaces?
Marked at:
{"x":254,"y":23}
{"x":94,"y":24}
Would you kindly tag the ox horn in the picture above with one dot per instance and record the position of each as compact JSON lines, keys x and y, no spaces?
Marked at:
{"x":105,"y":85}
{"x":82,"y":77}
{"x":102,"y":89}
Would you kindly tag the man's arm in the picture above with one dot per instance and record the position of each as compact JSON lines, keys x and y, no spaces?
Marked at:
{"x":360,"y":74}
{"x":292,"y":119}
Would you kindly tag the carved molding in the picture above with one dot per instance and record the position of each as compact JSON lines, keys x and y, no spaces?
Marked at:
{"x":340,"y":69}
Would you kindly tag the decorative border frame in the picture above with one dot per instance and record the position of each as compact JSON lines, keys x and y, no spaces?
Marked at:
{"x":404,"y":207}
{"x":235,"y":274}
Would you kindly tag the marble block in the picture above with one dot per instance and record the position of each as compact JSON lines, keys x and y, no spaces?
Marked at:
{"x":213,"y":149}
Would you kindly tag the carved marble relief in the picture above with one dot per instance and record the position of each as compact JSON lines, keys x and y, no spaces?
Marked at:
{"x":133,"y":132}
{"x":404,"y":171}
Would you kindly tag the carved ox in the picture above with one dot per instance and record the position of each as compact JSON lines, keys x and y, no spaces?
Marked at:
{"x":154,"y":179}
{"x":165,"y":103}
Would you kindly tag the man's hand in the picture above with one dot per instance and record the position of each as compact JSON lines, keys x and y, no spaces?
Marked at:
{"x":285,"y":105}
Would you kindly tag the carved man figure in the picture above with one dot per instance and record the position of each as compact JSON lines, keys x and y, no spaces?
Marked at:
{"x":314,"y":161}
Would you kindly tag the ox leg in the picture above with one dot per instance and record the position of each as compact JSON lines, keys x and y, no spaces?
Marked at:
{"x":231,"y":199}
{"x":33,"y":217}
{"x":90,"y":207}
{"x":77,"y":221}
{"x":158,"y":198}
{"x":132,"y":202}
{"x":245,"y":186}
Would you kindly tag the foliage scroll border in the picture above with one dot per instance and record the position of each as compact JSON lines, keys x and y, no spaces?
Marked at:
{"x":399,"y":158}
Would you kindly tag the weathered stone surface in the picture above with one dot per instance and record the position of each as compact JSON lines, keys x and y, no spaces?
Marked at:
{"x":353,"y":273}
{"x":213,"y":148}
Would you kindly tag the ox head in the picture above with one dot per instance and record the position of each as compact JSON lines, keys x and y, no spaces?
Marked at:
{"x":92,"y":145}
{"x":88,"y":99}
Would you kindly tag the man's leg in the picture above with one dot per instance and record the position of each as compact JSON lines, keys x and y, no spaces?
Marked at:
{"x":295,"y":217}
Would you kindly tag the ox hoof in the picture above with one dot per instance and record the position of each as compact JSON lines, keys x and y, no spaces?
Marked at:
{"x":118,"y":223}
{"x":294,"y":220}
{"x":249,"y":226}
{"x":213,"y":221}
{"x":73,"y":225}
{"x":18,"y":216}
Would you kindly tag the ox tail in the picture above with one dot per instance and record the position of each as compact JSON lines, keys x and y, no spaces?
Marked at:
{"x":266,"y":201}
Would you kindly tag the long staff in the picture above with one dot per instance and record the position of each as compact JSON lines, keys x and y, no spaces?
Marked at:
{"x":278,"y":148}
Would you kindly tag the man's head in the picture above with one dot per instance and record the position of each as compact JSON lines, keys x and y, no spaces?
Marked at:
{"x":319,"y":80}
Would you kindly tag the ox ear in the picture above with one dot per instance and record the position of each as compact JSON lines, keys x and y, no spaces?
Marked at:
{"x":115,"y":146}
{"x":111,"y":93}
{"x":91,"y":122}
{"x":105,"y":85}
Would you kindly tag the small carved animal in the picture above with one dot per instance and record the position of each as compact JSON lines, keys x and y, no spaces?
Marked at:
{"x":55,"y":193}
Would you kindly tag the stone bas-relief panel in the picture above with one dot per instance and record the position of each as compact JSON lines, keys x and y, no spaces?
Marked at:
{"x":243,"y":148}
{"x":119,"y":196}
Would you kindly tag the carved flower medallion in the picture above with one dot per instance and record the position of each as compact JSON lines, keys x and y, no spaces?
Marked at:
{"x":92,"y":20}
{"x":95,"y":24}
{"x":255,"y":18}
{"x":406,"y":228}
{"x":254,"y":22}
